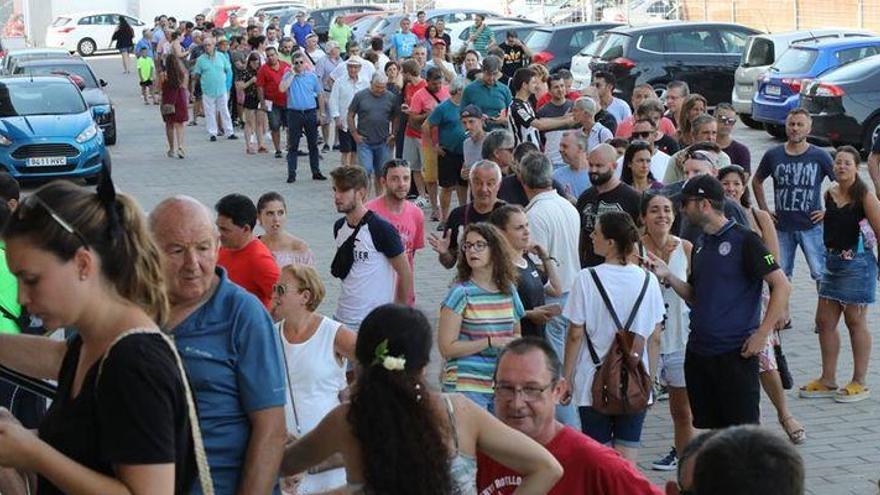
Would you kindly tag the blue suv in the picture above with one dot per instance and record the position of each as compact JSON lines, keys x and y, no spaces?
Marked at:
{"x":778,"y":90}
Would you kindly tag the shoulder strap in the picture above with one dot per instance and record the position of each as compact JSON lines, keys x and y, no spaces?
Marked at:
{"x":607,"y":300}
{"x":453,"y":428}
{"x":205,"y":481}
{"x":287,"y":377}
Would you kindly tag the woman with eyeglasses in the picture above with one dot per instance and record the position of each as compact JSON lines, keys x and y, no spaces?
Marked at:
{"x":287,"y":249}
{"x":316,"y":349}
{"x":248,"y":96}
{"x":614,"y":237}
{"x":637,"y":167}
{"x":849,"y":281}
{"x":733,"y":178}
{"x":123,"y":419}
{"x":480,"y":314}
{"x":398,"y":436}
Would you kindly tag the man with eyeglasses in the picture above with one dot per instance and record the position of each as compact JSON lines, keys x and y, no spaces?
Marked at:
{"x":739,"y":154}
{"x":528,"y":385}
{"x":304,"y":98}
{"x":663,"y":139}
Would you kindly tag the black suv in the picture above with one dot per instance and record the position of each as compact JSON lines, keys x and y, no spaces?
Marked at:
{"x":845,"y":104}
{"x":554,"y":46}
{"x":703,"y":54}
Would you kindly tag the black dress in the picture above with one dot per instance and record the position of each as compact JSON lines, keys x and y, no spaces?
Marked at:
{"x":530,"y":287}
{"x":137,"y":414}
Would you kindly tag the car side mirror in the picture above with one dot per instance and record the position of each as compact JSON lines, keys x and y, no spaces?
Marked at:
{"x":102,"y":82}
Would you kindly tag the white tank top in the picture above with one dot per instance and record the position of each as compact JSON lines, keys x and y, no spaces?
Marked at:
{"x":676,"y":327}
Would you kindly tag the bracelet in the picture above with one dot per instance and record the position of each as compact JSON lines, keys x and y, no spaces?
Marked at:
{"x":489,"y":338}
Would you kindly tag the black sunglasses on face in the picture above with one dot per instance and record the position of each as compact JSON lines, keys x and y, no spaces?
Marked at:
{"x":641,"y":135}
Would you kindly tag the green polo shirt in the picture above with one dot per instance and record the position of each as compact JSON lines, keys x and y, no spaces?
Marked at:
{"x":491,"y":99}
{"x":8,"y":295}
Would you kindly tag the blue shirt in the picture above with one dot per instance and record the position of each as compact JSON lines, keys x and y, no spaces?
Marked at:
{"x":797,"y":184}
{"x":213,"y":73}
{"x":143,"y":43}
{"x":300,"y":31}
{"x":403,"y":44}
{"x":447,"y":117}
{"x":727,"y":274}
{"x":491,"y":99}
{"x":233,"y":359}
{"x":574,"y":182}
{"x":303,"y":90}
{"x":186,"y":41}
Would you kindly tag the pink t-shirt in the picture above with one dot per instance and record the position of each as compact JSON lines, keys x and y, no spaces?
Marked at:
{"x":410,"y":224}
{"x":625,"y":128}
{"x":424,"y":102}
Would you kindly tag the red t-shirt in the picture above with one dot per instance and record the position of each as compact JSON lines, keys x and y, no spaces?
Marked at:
{"x":424,"y":102}
{"x":545,"y":98}
{"x":625,"y":128}
{"x":420,"y":29}
{"x":269,"y":79}
{"x":253,"y":268}
{"x":408,"y":92}
{"x":590,"y":468}
{"x":410,"y":224}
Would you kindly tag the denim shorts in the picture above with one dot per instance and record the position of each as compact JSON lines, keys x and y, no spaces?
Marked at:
{"x":672,"y":369}
{"x":812,"y":245}
{"x":623,"y":430}
{"x":372,"y":156}
{"x":277,"y":117}
{"x":849,"y":281}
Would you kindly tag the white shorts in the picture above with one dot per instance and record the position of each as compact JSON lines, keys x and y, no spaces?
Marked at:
{"x":672,"y":369}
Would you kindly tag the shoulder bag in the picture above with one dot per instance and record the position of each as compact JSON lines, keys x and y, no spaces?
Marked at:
{"x":344,"y":258}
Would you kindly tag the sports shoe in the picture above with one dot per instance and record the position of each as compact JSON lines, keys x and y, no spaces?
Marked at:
{"x":213,"y":138}
{"x":668,"y":463}
{"x":325,"y":148}
{"x":661,"y":392}
{"x":278,"y":154}
{"x":232,"y":137}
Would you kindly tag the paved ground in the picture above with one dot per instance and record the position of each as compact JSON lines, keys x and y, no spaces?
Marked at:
{"x":842,"y":452}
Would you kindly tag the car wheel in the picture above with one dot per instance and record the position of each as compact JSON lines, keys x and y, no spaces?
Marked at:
{"x":660,"y":91}
{"x":86,"y":47}
{"x":110,"y":135}
{"x":775,"y":130}
{"x":749,"y":121}
{"x":872,"y":132}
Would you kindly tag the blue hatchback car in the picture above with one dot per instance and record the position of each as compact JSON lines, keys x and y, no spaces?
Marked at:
{"x":47,"y":130}
{"x":778,"y":91}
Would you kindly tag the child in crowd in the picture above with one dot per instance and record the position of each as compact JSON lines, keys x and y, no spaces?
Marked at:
{"x":146,"y":72}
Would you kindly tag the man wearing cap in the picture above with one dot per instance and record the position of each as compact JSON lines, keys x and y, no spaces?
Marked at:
{"x":438,"y":59}
{"x":728,"y":268}
{"x":339,"y":31}
{"x":492,"y":97}
{"x":312,"y":51}
{"x":353,"y":50}
{"x":340,"y":99}
{"x":472,"y":148}
{"x":300,"y":29}
{"x":305,"y":101}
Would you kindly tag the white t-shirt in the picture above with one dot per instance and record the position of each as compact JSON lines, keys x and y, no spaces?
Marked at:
{"x":619,"y":109}
{"x":554,"y":223}
{"x":372,"y":280}
{"x":659,"y":162}
{"x":585,"y":307}
{"x":366,"y":73}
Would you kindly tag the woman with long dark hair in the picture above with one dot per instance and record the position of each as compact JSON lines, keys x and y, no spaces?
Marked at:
{"x":398,"y":436}
{"x":637,"y":167}
{"x":849,"y":281}
{"x":175,"y":103}
{"x":248,"y":97}
{"x":124,"y":38}
{"x":480,"y":314}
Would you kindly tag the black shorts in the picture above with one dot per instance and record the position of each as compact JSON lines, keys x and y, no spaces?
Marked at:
{"x":449,"y":173}
{"x":346,"y":142}
{"x":147,"y":83}
{"x":724,"y":390}
{"x":197,"y":90}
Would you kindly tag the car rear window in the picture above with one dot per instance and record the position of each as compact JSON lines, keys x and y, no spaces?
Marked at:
{"x":759,"y":52}
{"x":852,"y":54}
{"x":52,"y":98}
{"x":538,"y":40}
{"x":795,"y":60}
{"x":592,"y":49}
{"x":61,"y":21}
{"x":854,"y":71}
{"x":614,"y":46}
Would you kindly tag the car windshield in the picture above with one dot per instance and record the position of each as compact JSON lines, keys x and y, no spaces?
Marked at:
{"x":613,"y":46}
{"x":81,"y":71}
{"x":795,"y":60}
{"x":538,"y":40}
{"x":43,"y":98}
{"x":593,"y":48}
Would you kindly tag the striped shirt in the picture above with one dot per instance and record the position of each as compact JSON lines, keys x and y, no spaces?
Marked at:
{"x":483,"y":314}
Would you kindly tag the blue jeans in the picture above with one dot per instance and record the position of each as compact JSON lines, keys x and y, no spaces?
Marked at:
{"x":556,"y":331}
{"x":301,"y":122}
{"x":812,"y":245}
{"x":623,"y":430}
{"x":372,"y":156}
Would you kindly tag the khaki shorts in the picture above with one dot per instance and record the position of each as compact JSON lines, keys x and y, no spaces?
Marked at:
{"x":429,"y":164}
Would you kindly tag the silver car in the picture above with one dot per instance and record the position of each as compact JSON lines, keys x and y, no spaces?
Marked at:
{"x":762,"y":51}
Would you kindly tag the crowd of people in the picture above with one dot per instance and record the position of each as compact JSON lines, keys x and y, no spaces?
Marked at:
{"x":595,"y":242}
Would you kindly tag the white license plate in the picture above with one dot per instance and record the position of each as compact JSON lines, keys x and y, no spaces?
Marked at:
{"x":47,"y":161}
{"x":773,"y":90}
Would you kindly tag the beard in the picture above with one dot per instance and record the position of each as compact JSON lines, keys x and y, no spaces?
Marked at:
{"x":601,"y":179}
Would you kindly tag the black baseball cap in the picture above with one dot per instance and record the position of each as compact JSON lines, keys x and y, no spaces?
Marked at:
{"x":703,"y":187}
{"x":472,"y":111}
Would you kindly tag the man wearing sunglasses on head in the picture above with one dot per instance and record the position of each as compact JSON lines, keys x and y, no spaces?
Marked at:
{"x":739,"y":154}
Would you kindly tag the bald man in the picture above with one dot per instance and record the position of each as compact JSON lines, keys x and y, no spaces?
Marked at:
{"x":607,"y":193}
{"x":229,"y":348}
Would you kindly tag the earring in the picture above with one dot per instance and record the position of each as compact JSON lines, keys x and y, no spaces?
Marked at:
{"x":418,"y":394}
{"x":82,"y":277}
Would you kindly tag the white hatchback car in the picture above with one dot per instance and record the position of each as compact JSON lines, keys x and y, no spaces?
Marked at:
{"x":87,"y":32}
{"x":581,"y":74}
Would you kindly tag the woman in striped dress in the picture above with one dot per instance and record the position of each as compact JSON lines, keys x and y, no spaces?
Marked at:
{"x":480,"y":314}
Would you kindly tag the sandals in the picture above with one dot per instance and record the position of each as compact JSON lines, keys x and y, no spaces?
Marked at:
{"x":852,"y":392}
{"x":262,"y":149}
{"x":180,"y":153}
{"x":795,"y":431}
{"x":816,"y":389}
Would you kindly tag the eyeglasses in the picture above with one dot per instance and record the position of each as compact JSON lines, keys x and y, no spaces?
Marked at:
{"x":34,"y":198}
{"x":477,"y":247}
{"x":642,"y":135}
{"x":530,"y":392}
{"x":727,"y":120}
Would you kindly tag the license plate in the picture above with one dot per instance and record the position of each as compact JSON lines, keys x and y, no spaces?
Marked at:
{"x":773,"y":90}
{"x":47,"y":161}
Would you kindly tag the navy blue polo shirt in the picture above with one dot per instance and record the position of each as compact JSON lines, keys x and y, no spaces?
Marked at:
{"x":727,"y":274}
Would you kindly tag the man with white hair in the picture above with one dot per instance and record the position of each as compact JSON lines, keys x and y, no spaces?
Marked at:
{"x":323,"y":69}
{"x":340,"y":98}
{"x":584,"y":111}
{"x":376,"y":110}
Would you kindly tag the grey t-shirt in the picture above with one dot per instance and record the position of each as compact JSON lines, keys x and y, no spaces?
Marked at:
{"x":473,"y":151}
{"x":374,"y":114}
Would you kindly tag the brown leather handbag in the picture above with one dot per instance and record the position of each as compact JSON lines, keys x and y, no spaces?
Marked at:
{"x":617,"y":388}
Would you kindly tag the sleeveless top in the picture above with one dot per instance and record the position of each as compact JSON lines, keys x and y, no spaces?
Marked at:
{"x":462,"y":467}
{"x":676,"y":323}
{"x":841,"y":224}
{"x":314,"y":378}
{"x":286,"y":257}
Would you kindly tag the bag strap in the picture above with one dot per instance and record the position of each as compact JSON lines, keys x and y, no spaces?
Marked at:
{"x":205,"y":481}
{"x":607,"y":300}
{"x":287,"y":376}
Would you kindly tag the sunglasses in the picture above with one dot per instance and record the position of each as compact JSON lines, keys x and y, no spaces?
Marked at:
{"x":70,"y":229}
{"x":727,"y":120}
{"x":642,"y":135}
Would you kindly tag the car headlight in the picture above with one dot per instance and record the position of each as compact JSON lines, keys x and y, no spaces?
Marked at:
{"x":4,"y":141}
{"x":88,"y":133}
{"x":102,"y":114}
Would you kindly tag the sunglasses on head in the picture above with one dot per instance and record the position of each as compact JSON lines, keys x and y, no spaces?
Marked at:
{"x":34,"y":199}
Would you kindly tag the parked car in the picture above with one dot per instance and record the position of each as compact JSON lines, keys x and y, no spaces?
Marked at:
{"x":323,"y":17}
{"x":845,"y":104}
{"x":500,"y":25}
{"x":361,"y":27}
{"x":554,"y":46}
{"x":92,"y":88}
{"x":703,"y":54}
{"x":581,"y":74}
{"x":17,"y":56}
{"x":642,"y":12}
{"x":269,"y":8}
{"x":391,"y":24}
{"x":47,"y":130}
{"x":219,"y":14}
{"x":778,"y":90}
{"x":86,"y":32}
{"x":763,"y":50}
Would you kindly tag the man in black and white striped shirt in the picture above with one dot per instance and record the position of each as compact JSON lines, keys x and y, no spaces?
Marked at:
{"x":525,"y":125}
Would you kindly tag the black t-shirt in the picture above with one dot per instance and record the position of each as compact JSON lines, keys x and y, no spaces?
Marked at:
{"x":512,"y":191}
{"x":739,"y":155}
{"x":137,"y":414}
{"x":608,"y":120}
{"x":521,"y":115}
{"x":463,"y":216}
{"x":514,"y":58}
{"x":667,"y":145}
{"x":591,"y":204}
{"x":530,"y":287}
